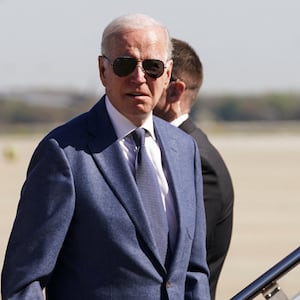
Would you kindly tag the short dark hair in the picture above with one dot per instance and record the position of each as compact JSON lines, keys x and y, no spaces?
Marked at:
{"x":186,"y":65}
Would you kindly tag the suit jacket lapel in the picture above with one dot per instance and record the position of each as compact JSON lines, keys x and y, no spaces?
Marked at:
{"x":111,"y":163}
{"x":171,"y":158}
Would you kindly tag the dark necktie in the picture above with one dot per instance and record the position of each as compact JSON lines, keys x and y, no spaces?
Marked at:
{"x":147,"y":182}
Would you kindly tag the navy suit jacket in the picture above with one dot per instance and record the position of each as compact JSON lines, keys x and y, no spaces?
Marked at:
{"x":81,"y":231}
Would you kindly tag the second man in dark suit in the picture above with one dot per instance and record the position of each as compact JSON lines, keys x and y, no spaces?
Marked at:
{"x":174,"y":106}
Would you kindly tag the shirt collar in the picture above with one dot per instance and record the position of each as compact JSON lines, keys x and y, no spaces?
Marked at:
{"x":177,"y":122}
{"x":122,"y":125}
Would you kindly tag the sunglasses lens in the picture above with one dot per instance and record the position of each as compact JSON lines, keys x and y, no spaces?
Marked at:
{"x":153,"y":67}
{"x":123,"y":66}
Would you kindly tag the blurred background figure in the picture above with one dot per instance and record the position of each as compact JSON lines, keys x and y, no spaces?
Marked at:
{"x":175,"y":106}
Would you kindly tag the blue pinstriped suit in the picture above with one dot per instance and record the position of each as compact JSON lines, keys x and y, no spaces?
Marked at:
{"x":80,"y":229}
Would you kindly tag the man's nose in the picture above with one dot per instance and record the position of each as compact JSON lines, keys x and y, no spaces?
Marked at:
{"x":139,"y":72}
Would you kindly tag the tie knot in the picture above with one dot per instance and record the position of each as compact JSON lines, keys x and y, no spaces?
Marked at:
{"x":139,"y":136}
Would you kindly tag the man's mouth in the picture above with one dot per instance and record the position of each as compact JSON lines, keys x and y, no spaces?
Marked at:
{"x":136,"y":94}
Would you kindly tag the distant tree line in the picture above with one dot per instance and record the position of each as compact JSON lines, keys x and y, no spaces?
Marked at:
{"x":261,"y":107}
{"x":15,"y":110}
{"x":30,"y":111}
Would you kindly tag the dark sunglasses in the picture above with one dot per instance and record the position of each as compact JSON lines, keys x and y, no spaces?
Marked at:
{"x":123,"y":66}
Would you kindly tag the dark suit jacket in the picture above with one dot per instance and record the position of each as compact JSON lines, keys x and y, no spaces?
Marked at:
{"x":81,"y":231}
{"x":218,"y":200}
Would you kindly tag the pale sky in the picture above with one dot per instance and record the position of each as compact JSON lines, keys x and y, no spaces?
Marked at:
{"x":245,"y":45}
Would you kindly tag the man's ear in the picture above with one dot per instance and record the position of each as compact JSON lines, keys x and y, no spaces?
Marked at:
{"x":101,"y":69}
{"x":175,"y":90}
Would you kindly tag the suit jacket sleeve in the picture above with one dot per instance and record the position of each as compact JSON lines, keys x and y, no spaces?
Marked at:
{"x":43,"y":217}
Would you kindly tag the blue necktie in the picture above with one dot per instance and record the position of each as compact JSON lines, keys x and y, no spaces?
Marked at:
{"x":147,"y":182}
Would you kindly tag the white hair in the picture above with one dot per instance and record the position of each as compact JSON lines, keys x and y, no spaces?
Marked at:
{"x":133,"y":22}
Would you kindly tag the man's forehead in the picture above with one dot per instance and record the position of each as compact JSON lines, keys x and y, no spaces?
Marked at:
{"x":152,"y":41}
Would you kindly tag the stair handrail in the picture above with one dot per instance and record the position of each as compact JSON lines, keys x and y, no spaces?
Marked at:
{"x":269,"y":277}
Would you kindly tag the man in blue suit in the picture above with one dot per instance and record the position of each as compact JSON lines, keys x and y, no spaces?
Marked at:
{"x":82,"y":230}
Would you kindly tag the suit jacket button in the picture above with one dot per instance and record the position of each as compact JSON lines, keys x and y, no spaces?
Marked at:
{"x":168,"y":284}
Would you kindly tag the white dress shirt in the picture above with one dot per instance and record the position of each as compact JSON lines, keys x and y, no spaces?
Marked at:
{"x":177,"y":122}
{"x":123,"y":127}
